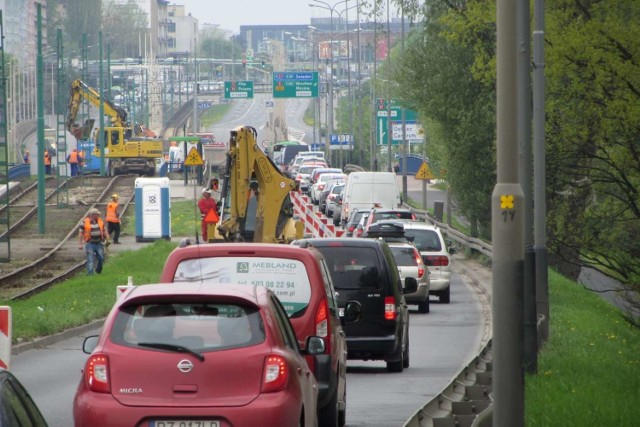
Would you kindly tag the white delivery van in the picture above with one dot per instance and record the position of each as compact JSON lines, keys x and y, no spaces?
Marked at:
{"x":366,"y":190}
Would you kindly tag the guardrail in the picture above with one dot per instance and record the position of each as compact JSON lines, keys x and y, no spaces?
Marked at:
{"x":467,"y":400}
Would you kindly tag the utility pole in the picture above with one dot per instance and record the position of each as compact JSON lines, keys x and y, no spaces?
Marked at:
{"x":389,"y":124}
{"x":40,"y":141}
{"x":507,"y":210}
{"x":101,"y":140}
{"x":540,"y":206}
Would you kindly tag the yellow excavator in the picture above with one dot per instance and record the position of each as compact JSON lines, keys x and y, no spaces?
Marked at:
{"x":255,"y":195}
{"x":127,"y":149}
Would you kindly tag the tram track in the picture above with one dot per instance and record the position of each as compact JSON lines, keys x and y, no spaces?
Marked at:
{"x":30,"y":274}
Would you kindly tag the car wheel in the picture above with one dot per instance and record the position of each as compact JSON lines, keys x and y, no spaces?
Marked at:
{"x":396,"y":365}
{"x":423,"y":307}
{"x":328,"y":416}
{"x":445,"y":296}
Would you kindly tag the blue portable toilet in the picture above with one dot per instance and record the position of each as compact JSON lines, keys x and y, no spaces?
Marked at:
{"x":153,"y":209}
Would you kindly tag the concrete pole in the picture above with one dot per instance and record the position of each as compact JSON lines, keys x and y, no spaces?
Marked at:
{"x":526,"y":173}
{"x":540,"y":239}
{"x":101,"y":140}
{"x":389,"y":125}
{"x":40,"y":107}
{"x":507,"y":208}
{"x":405,"y":143}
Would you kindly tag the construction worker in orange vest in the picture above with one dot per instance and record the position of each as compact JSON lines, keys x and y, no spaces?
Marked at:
{"x":91,"y":236}
{"x":74,"y":159}
{"x":47,"y":162}
{"x":113,"y":219}
{"x":208,"y":212}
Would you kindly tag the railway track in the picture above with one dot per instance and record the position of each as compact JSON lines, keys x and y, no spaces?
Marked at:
{"x":29,"y":273}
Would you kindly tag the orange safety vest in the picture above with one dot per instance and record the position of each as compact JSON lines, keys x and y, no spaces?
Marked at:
{"x":47,"y":158}
{"x":87,"y":229}
{"x":112,"y":212}
{"x":73,"y":157}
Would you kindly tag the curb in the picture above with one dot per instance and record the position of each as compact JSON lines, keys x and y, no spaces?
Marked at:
{"x":52,"y":339}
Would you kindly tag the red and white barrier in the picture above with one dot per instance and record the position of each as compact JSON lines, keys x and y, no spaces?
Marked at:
{"x":5,"y":336}
{"x":315,"y":223}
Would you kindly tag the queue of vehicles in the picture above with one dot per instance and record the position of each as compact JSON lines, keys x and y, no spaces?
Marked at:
{"x":282,"y":318}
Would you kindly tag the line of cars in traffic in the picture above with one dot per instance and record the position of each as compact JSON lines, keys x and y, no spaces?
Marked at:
{"x":260,"y":331}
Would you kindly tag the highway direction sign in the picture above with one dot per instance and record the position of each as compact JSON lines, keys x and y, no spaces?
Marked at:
{"x":239,"y":89}
{"x":292,"y":84}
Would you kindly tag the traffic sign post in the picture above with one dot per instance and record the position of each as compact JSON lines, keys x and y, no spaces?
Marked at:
{"x":239,"y":89}
{"x":295,"y":84}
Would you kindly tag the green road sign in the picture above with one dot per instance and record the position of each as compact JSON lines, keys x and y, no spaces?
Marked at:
{"x":292,"y":84}
{"x":239,"y":89}
{"x":382,"y":124}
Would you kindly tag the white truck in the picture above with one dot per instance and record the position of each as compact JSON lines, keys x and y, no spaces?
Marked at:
{"x":366,"y":190}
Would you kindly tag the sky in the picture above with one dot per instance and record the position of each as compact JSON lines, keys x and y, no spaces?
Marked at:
{"x":230,"y":14}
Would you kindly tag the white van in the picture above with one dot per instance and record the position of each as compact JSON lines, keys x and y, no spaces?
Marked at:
{"x":366,"y":190}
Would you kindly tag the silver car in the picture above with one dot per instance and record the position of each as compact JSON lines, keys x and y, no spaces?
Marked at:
{"x":410,"y":264}
{"x":433,"y":248}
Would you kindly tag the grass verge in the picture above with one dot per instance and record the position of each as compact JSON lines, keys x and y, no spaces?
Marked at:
{"x":589,"y":370}
{"x":214,"y":114}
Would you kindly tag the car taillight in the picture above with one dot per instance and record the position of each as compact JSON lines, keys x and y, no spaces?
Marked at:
{"x":351,"y":228}
{"x":321,"y":187}
{"x":419,"y":262}
{"x":96,"y":373}
{"x":322,"y":325}
{"x":276,"y":374}
{"x":436,"y":260}
{"x":389,"y":308}
{"x":298,"y":177}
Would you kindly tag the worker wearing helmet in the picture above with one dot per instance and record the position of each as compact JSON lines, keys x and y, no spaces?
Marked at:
{"x":113,"y":219}
{"x":91,"y":236}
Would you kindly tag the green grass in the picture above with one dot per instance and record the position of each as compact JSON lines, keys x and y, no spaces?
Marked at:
{"x":185,"y":219}
{"x":214,"y":114}
{"x":309,"y":115}
{"x":589,"y":370}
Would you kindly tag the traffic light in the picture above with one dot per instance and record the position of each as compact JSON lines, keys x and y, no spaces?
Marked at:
{"x":244,"y":63}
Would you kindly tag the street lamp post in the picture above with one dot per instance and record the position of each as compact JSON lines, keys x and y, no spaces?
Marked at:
{"x":330,"y":117}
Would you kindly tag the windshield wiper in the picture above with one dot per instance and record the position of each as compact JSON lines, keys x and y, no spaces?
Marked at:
{"x":172,"y":347}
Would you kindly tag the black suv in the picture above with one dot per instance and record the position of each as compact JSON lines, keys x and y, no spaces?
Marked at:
{"x":364,"y":270}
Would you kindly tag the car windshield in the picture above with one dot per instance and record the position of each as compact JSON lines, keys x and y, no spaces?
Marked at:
{"x":188,"y":327}
{"x":287,"y":278}
{"x":352,"y":267}
{"x":404,"y":256}
{"x":424,"y":240}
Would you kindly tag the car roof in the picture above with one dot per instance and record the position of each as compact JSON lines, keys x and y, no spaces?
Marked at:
{"x":420,"y":225}
{"x":342,"y":241}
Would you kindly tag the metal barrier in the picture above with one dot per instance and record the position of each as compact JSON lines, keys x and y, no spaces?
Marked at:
{"x":19,"y":171}
{"x":466,"y":401}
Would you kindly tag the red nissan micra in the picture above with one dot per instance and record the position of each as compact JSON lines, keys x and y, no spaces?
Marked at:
{"x":302,"y":281}
{"x":197,"y":355}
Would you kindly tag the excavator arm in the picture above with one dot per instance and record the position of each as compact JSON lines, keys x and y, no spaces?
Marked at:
{"x":246,"y":164}
{"x":80,"y":90}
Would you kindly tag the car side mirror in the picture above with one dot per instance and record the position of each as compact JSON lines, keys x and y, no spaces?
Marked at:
{"x":90,"y":344}
{"x":315,"y":345}
{"x":410,"y":285}
{"x":352,"y":313}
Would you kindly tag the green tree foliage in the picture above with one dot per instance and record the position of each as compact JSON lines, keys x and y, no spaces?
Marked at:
{"x":82,"y":16}
{"x":436,"y":77}
{"x":592,"y":120}
{"x":593,"y":117}
{"x":124,"y":28}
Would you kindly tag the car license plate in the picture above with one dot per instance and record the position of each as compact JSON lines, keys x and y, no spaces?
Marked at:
{"x":184,"y":423}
